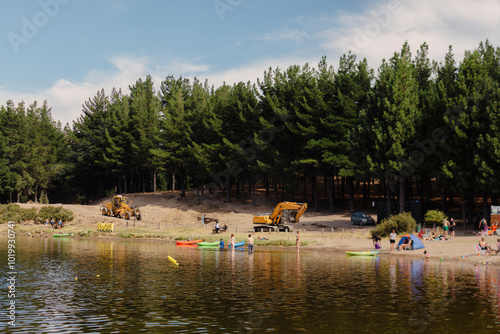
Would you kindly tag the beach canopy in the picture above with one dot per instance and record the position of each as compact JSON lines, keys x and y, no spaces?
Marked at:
{"x":417,"y":243}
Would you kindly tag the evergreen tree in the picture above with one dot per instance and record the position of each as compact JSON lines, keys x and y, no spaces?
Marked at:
{"x":144,"y":129}
{"x":472,"y":119}
{"x":395,"y":101}
{"x":89,"y":148}
{"x":352,"y":83}
{"x":176,"y":132}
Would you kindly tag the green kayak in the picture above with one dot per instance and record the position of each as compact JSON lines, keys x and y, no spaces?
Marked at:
{"x":63,"y":235}
{"x":209,"y":243}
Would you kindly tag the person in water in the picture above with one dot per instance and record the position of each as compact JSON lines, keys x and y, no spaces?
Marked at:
{"x":250,"y":243}
{"x":231,"y":242}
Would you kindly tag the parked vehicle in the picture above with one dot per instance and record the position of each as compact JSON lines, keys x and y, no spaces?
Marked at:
{"x":361,"y":218}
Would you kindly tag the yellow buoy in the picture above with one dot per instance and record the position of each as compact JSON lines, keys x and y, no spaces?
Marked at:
{"x":172,"y":260}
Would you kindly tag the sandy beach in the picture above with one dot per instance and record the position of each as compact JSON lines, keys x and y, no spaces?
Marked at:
{"x":166,"y":216}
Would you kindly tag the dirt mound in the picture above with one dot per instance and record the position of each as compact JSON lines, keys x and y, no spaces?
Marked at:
{"x":172,"y":200}
{"x":169,"y":208}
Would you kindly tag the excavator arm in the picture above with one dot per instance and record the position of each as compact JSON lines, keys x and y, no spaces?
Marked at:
{"x":291,"y":209}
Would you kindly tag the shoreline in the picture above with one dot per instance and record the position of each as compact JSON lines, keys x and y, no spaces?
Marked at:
{"x":458,"y":249}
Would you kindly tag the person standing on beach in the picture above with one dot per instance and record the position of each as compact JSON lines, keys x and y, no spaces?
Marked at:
{"x":452,"y":228}
{"x":231,"y":242}
{"x":483,"y":226}
{"x":250,"y":243}
{"x":392,"y":239}
{"x":297,"y":240}
{"x":445,"y":227}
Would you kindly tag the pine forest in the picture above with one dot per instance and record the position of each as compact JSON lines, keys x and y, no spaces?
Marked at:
{"x":415,"y":129}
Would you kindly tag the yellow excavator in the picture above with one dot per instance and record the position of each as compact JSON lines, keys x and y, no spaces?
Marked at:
{"x":120,"y":208}
{"x":284,"y":212}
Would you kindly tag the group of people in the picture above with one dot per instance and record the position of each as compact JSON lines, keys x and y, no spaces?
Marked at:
{"x":449,"y":226}
{"x":484,"y":228}
{"x":407,"y":244}
{"x":251,"y":242}
{"x":232,"y":243}
{"x":53,"y":223}
{"x":377,"y":241}
{"x":218,"y":229}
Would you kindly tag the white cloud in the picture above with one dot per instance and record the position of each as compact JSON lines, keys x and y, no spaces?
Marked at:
{"x":375,"y":33}
{"x":381,"y":30}
{"x":67,"y":97}
{"x":285,"y":34}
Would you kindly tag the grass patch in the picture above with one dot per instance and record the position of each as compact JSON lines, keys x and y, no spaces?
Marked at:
{"x":124,"y":235}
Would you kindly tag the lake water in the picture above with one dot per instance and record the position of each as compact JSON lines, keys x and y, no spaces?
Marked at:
{"x":72,"y":285}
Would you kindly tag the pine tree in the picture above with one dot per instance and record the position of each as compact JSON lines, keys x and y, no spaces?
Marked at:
{"x":351,"y":86}
{"x":144,"y":129}
{"x":472,"y":117}
{"x":176,"y":132}
{"x":395,"y":101}
{"x":89,"y":148}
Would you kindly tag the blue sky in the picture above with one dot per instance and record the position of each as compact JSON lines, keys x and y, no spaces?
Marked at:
{"x":64,"y":51}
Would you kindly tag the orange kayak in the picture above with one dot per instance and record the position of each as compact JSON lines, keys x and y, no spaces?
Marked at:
{"x":187,"y":242}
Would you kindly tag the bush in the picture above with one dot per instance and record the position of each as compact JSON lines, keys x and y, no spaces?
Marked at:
{"x":10,"y":212}
{"x":401,"y":223}
{"x":27,"y":214}
{"x":434,"y":217}
{"x":13,"y":212}
{"x":58,"y":213}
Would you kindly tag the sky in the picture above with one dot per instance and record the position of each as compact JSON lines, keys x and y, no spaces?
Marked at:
{"x":65,"y":51}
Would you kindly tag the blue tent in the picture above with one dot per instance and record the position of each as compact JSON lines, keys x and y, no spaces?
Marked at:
{"x":417,"y":243}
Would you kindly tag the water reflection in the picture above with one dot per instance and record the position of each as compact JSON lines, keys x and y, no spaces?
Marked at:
{"x":83,"y":285}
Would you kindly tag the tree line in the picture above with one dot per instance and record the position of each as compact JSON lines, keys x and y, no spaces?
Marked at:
{"x":414,"y":126}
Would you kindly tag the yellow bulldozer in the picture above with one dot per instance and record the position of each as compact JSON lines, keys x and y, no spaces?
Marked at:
{"x":120,"y":207}
{"x":283,"y":213}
